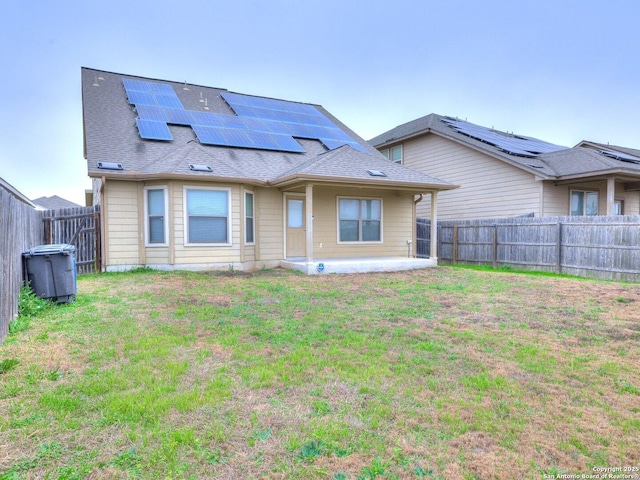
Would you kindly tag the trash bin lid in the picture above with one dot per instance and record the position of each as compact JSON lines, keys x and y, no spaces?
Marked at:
{"x":56,"y":248}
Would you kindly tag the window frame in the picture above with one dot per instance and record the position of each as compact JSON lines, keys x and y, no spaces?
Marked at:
{"x":187,"y":241}
{"x":252,"y":217}
{"x":147,"y":223}
{"x":619,"y":204}
{"x":360,"y":221}
{"x":388,"y":153}
{"x":584,"y":193}
{"x":401,"y":160}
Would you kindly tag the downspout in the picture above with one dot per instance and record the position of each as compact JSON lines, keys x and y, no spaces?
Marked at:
{"x":103,"y":222}
{"x":414,"y":238}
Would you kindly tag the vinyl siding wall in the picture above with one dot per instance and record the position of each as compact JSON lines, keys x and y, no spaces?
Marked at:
{"x":121,"y":220}
{"x":269,"y":222}
{"x":557,"y":198}
{"x":125,"y":222}
{"x":397,"y":224}
{"x":489,"y":188}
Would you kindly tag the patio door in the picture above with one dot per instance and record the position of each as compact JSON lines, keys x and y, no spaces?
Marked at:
{"x":295,"y":228}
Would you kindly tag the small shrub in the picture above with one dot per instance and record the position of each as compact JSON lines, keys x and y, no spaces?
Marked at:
{"x":29,"y":306}
{"x":8,"y":364}
{"x":313,"y":449}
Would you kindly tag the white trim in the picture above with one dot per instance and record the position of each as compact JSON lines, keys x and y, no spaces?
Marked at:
{"x":244,"y":216}
{"x":186,"y":242}
{"x":401,"y":162}
{"x":165,"y":220}
{"x":359,"y":242}
{"x":584,"y":201}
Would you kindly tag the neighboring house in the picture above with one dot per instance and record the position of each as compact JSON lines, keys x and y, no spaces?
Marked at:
{"x":502,"y":174}
{"x":54,"y":203}
{"x":193,"y":177}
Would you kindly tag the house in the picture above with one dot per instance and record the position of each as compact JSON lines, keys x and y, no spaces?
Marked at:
{"x":502,"y":174}
{"x":54,"y":202}
{"x":194,"y":177}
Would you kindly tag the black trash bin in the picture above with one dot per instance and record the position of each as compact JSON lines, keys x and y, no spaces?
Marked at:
{"x":50,"y":271}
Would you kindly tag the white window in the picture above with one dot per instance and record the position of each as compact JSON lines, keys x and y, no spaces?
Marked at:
{"x":584,"y":202}
{"x":359,"y":220}
{"x":249,"y":219}
{"x":155,"y":206}
{"x":394,"y":154}
{"x":618,"y":207}
{"x":207,"y":216}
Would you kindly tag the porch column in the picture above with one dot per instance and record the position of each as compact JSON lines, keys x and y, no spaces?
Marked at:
{"x":611,"y":194}
{"x":434,"y":226}
{"x":309,"y":222}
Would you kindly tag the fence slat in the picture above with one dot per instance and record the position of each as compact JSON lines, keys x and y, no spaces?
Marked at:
{"x":606,"y":247}
{"x":21,"y":228}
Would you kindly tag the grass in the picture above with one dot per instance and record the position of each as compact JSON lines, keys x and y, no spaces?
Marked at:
{"x":443,"y":373}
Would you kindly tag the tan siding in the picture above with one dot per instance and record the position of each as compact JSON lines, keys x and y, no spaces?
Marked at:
{"x":269,"y":223}
{"x":157,"y":255}
{"x":557,"y":197}
{"x":488,"y":187}
{"x":397,"y":224}
{"x":631,"y":202}
{"x":126,"y":216}
{"x":122,"y":222}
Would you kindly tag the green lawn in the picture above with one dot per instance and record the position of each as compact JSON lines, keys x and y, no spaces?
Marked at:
{"x":441,"y":373}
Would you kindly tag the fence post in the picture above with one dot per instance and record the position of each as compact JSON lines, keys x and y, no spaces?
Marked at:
{"x":454,"y":260}
{"x":559,"y":248}
{"x":495,"y":245}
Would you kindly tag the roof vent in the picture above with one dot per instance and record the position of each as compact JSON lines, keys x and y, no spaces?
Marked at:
{"x":200,"y":168}
{"x":110,"y":166}
{"x":376,"y":173}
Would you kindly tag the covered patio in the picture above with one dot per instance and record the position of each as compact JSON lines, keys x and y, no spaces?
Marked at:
{"x":357,"y":265}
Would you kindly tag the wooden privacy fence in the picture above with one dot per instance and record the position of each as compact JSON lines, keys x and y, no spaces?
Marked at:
{"x":605,"y":247}
{"x":78,"y":226}
{"x":20,"y":229}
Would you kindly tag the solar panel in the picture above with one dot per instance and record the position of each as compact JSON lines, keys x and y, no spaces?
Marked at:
{"x":137,"y":97}
{"x":619,"y":156}
{"x":153,"y":130}
{"x":260,"y":123}
{"x":509,"y":143}
{"x":169,"y":101}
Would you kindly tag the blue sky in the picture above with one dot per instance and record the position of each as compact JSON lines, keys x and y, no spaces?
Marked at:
{"x":561,"y":71}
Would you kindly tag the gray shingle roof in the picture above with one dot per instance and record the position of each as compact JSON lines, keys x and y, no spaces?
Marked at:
{"x":54,"y":203}
{"x":111,"y":135}
{"x":564,"y":162}
{"x":346,"y":164}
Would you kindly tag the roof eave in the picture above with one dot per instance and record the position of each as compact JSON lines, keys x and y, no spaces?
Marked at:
{"x":599,"y":173}
{"x":137,"y":176}
{"x":386,"y":184}
{"x":477,"y":148}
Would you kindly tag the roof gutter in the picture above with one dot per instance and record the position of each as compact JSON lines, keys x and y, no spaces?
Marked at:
{"x":389,"y":184}
{"x":191,"y":177}
{"x":595,"y":176}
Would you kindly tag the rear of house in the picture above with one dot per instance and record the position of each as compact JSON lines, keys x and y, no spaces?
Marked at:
{"x":193,"y":177}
